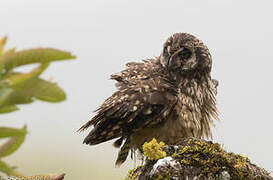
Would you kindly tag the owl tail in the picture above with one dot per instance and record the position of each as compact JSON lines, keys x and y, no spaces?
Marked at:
{"x":123,"y":153}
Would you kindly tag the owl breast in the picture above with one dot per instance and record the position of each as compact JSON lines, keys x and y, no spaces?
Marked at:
{"x":190,"y":116}
{"x":180,"y":122}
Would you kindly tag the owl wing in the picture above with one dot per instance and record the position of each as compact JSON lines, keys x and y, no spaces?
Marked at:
{"x":140,"y":102}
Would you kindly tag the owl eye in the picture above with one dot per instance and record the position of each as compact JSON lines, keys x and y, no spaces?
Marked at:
{"x":165,"y":52}
{"x":185,"y":54}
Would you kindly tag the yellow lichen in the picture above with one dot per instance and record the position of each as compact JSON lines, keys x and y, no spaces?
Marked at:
{"x":241,"y":162}
{"x":153,"y":150}
{"x":160,"y":177}
{"x":208,"y":158}
{"x":132,"y":174}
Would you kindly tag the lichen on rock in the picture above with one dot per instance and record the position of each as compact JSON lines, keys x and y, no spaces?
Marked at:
{"x":153,"y":150}
{"x":196,"y":159}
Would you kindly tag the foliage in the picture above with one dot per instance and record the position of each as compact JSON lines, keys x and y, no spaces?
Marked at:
{"x":23,"y":88}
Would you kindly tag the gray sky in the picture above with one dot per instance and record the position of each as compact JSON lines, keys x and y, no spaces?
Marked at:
{"x":105,"y":34}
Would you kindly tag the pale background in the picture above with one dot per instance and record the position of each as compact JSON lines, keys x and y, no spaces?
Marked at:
{"x":107,"y":34}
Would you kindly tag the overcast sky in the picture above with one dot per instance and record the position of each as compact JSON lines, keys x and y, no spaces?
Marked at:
{"x":105,"y":34}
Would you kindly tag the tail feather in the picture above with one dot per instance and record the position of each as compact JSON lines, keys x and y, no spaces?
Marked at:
{"x":101,"y":132}
{"x":123,"y":153}
{"x":97,"y":137}
{"x":85,"y":126}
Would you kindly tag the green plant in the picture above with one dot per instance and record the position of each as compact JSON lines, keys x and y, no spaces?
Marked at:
{"x":23,"y":88}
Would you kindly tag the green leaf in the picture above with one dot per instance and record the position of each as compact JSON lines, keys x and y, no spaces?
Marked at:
{"x":39,"y":55}
{"x":17,"y":78}
{"x":1,"y":68}
{"x":12,"y":144}
{"x":5,"y":93}
{"x":2,"y":44}
{"x":10,"y":51}
{"x":7,"y":109}
{"x":5,"y":168}
{"x":41,"y":89}
{"x":11,"y":132}
{"x":9,"y":96}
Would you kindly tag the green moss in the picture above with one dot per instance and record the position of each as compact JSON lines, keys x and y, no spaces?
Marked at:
{"x":211,"y":158}
{"x":197,"y":153}
{"x":199,"y":158}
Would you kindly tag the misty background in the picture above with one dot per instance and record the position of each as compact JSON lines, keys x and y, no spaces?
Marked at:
{"x":104,"y":35}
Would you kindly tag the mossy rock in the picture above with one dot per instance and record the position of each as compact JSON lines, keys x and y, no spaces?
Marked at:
{"x":195,"y":159}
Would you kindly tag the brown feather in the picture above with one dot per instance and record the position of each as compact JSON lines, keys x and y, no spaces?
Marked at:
{"x":166,"y":97}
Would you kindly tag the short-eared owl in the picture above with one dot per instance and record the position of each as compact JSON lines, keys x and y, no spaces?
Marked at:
{"x":168,"y":97}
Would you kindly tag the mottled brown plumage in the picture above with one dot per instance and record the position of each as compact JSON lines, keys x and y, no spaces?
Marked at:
{"x":167,"y":98}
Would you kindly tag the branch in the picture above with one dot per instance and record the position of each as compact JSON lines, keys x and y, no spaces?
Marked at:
{"x":38,"y":177}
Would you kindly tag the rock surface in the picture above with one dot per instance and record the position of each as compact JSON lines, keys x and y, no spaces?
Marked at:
{"x":195,"y":159}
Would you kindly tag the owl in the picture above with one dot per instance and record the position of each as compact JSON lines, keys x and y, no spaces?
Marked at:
{"x":168,"y":97}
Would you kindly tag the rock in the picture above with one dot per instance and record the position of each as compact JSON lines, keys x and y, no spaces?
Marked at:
{"x":196,"y":159}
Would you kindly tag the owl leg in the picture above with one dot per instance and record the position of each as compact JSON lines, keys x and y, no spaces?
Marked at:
{"x":123,"y":153}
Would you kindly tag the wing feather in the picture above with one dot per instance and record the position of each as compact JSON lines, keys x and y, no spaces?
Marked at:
{"x":142,"y":96}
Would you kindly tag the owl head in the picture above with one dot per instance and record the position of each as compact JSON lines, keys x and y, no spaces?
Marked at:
{"x":184,"y":53}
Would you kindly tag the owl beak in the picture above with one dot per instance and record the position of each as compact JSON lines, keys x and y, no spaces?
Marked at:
{"x":173,"y":61}
{"x":170,"y":63}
